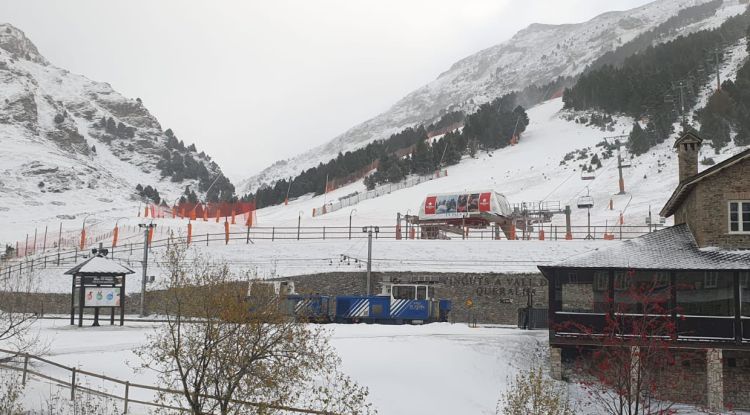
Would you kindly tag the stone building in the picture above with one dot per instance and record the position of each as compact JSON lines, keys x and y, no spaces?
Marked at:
{"x":698,"y":272}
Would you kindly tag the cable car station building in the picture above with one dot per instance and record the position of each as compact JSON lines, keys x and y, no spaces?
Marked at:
{"x":699,"y":269}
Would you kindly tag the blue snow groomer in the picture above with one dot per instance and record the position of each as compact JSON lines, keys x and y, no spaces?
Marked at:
{"x":314,"y":308}
{"x":397,"y":304}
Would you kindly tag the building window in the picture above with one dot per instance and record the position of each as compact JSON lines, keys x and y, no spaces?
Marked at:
{"x":739,"y":216}
{"x":661,"y":279}
{"x":745,"y":295}
{"x":711,"y":279}
{"x":621,"y":281}
{"x":579,"y":294}
{"x":601,"y":281}
{"x":705,"y":293}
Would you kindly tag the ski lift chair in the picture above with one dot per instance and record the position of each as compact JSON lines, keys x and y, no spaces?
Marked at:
{"x":585,"y":202}
{"x":587,"y":175}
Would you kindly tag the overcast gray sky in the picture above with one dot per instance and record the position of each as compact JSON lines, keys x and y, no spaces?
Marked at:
{"x":252,"y":82}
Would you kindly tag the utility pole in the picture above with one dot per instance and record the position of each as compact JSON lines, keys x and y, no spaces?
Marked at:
{"x":369,"y":230}
{"x":681,"y":85}
{"x":146,"y":229}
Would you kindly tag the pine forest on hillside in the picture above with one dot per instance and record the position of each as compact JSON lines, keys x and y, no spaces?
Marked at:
{"x":658,"y":84}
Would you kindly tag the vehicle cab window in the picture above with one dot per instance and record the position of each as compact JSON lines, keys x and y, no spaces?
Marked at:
{"x":404,"y":292}
{"x":421,"y":292}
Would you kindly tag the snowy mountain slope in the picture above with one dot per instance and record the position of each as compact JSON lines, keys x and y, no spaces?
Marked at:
{"x":50,"y":121}
{"x":532,"y":171}
{"x":535,"y":55}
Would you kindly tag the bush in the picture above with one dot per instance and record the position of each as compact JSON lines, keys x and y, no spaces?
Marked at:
{"x":532,"y":393}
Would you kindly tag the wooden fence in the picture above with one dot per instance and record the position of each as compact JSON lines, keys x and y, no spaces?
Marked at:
{"x":24,"y":363}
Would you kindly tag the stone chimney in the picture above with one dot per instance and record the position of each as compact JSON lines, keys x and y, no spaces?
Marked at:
{"x":688,"y":148}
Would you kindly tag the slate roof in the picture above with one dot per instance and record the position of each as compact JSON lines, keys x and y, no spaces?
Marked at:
{"x":683,"y":189}
{"x":99,"y":266}
{"x":666,"y":249}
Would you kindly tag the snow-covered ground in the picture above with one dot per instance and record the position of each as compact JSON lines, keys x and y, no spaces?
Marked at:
{"x":431,"y":369}
{"x":439,"y":368}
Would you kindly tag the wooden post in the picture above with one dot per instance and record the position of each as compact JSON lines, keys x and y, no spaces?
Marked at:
{"x":247,"y":237}
{"x":44,"y":244}
{"x":59,"y":243}
{"x":273,"y":233}
{"x":73,"y":385}
{"x":81,"y":295}
{"x":127,"y":396}
{"x":25,"y":368}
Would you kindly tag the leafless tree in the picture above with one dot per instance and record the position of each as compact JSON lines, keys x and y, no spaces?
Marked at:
{"x":631,"y":366}
{"x":16,"y":314}
{"x":219,"y":347}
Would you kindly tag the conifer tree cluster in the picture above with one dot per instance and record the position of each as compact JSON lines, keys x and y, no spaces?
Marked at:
{"x":728,"y":110}
{"x":116,"y":129}
{"x":642,"y":85}
{"x":148,"y":193}
{"x":491,"y":127}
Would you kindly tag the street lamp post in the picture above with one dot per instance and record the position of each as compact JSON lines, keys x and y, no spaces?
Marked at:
{"x":299,"y":223}
{"x":406,"y":220}
{"x":369,"y":230}
{"x":146,"y":229}
{"x":351,"y":213}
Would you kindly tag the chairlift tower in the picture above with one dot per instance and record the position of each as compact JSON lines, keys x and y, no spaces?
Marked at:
{"x":681,"y":86}
{"x":620,"y":165}
{"x":587,"y":202}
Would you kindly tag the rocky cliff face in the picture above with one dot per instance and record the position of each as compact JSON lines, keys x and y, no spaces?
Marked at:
{"x":535,"y":55}
{"x":69,"y":141}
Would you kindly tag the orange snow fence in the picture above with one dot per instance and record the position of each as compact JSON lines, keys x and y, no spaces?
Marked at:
{"x":398,"y":231}
{"x":512,"y":236}
{"x":622,"y":219}
{"x":153,"y":212}
{"x":83,"y":238}
{"x":609,"y":236}
{"x":205,"y":215}
{"x":412,"y":233}
{"x":145,"y":212}
{"x":115,"y":232}
{"x":218,"y":215}
{"x":568,"y":236}
{"x":150,"y":235}
{"x":192,"y":214}
{"x":233,"y":222}
{"x":249,"y":221}
{"x":174,"y":212}
{"x":226,"y":233}
{"x":189,"y":232}
{"x":541,"y":234}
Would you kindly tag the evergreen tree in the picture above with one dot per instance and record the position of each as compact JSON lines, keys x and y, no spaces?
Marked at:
{"x":638,"y":142}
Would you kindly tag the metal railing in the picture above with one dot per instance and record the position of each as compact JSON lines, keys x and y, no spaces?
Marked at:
{"x":376,"y":192}
{"x":25,"y":365}
{"x":324,"y":233}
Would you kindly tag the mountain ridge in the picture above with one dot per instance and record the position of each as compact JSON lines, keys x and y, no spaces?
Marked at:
{"x":78,"y":144}
{"x":535,"y":55}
